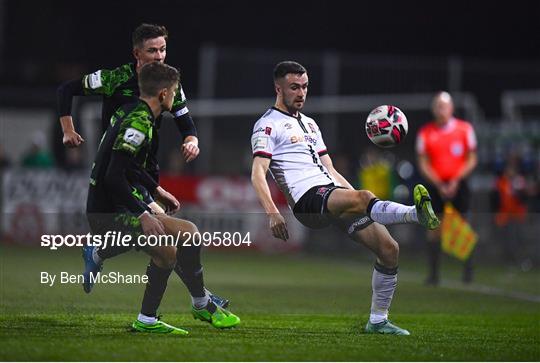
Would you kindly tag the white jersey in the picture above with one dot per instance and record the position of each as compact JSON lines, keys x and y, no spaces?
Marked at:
{"x":294,"y":146}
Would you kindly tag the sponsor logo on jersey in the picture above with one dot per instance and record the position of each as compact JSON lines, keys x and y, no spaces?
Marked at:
{"x":288,"y":126}
{"x":134,"y":137}
{"x":303,"y":138}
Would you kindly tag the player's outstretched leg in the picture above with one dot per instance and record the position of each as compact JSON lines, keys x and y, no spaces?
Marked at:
{"x":346,"y":202}
{"x":205,"y":305}
{"x":424,"y":210}
{"x":92,"y":266}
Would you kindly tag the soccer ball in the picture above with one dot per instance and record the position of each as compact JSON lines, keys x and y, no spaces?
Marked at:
{"x":386,"y":126}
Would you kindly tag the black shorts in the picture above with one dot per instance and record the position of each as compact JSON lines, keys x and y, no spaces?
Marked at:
{"x":103,"y":216}
{"x":312,"y":211}
{"x":460,"y":201}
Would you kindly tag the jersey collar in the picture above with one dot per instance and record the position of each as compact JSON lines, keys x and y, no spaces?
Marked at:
{"x":286,"y":113}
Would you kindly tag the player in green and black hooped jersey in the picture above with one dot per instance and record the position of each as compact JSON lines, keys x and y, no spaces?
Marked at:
{"x":113,"y":205}
{"x":119,"y":86}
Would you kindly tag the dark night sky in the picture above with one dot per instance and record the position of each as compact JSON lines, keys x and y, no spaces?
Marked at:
{"x":97,"y":33}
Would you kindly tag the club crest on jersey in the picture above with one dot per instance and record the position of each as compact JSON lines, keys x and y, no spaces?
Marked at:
{"x":322,"y":191}
{"x":311,"y":127}
{"x":268,"y":130}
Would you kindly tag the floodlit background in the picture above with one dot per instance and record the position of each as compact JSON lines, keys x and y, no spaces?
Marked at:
{"x":358,"y":57}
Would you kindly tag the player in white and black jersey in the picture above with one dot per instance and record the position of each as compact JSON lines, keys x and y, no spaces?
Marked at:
{"x":290,"y":144}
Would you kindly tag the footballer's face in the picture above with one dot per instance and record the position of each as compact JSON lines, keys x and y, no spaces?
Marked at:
{"x":151,"y":50}
{"x":292,"y":89}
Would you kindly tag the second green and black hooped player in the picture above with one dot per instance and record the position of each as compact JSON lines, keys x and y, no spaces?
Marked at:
{"x":113,"y":204}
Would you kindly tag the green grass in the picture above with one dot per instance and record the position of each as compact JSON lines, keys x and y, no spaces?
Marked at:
{"x":293,"y":308}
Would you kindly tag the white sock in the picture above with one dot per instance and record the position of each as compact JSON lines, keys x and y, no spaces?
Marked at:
{"x":96,"y":257}
{"x":147,"y":319}
{"x":200,"y":302}
{"x":383,"y":286}
{"x":387,"y":212}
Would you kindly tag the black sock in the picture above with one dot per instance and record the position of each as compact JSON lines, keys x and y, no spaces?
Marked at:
{"x":189,"y":269}
{"x":155,"y":288}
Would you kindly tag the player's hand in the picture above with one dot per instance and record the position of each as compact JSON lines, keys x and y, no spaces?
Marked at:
{"x":72,"y":139}
{"x":172,"y":204}
{"x":278,"y":226}
{"x":190,"y":151}
{"x":151,"y":226}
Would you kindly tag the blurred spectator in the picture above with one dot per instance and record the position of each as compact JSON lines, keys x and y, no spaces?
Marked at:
{"x":4,"y":161}
{"x":446,"y":149}
{"x":376,"y":173}
{"x":37,"y":156}
{"x":511,"y":210}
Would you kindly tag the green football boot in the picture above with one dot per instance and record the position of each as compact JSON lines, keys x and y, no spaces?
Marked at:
{"x":424,"y":210}
{"x":158,"y":327}
{"x":219,"y":318}
{"x":385,"y":327}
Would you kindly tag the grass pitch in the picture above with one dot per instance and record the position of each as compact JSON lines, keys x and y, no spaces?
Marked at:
{"x":292,"y":308}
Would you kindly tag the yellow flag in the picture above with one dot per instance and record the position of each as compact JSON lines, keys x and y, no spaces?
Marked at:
{"x":458,"y":237}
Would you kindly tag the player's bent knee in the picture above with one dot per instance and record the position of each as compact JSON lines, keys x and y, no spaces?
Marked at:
{"x":165,"y":257}
{"x":361,"y":200}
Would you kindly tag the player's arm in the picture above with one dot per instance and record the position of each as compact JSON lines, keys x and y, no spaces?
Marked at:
{"x":427,"y":171}
{"x":102,"y":82}
{"x":326,"y":160}
{"x":472,"y":161}
{"x":258,"y":179}
{"x":64,"y":99}
{"x":167,"y":199}
{"x":423,"y":162}
{"x":186,"y":126}
{"x":472,"y":157}
{"x":122,"y":192}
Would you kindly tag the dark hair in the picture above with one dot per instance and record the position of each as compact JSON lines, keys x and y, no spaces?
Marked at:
{"x":148,"y":31}
{"x":155,"y":76}
{"x":286,"y":67}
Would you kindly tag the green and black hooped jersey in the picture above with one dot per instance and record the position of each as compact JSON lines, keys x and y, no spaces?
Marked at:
{"x":121,"y":158}
{"x":119,"y":87}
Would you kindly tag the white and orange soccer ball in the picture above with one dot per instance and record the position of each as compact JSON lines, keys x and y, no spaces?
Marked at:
{"x":386,"y":126}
